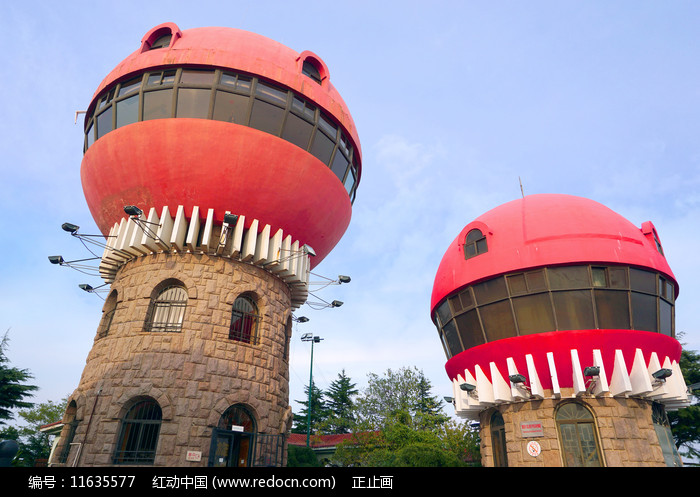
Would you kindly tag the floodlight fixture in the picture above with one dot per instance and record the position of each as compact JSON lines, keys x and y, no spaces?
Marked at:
{"x":230,"y":218}
{"x":308,"y":250}
{"x":517,"y":378}
{"x":77,"y":264}
{"x":89,"y":288}
{"x":449,"y":400}
{"x":301,"y":319}
{"x":336,"y":303}
{"x":592,"y":371}
{"x":662,"y":374}
{"x":132,"y":210}
{"x":70,"y":228}
{"x":342,"y":278}
{"x":467,"y":387}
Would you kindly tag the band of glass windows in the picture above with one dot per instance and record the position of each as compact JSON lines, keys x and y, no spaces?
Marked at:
{"x":556,"y":299}
{"x":225,"y":96}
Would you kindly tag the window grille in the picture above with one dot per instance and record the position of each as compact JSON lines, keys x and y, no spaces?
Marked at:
{"x":244,"y":321}
{"x":138,"y":437}
{"x":167,"y":310}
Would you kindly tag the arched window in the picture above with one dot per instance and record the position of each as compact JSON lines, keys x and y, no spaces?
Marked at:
{"x":237,"y":416}
{"x":72,"y":424}
{"x":498,"y":440}
{"x":287,"y":337}
{"x":110,"y":307}
{"x":577,"y":436}
{"x":167,"y":309}
{"x":474,"y":244}
{"x":663,"y":431}
{"x":310,"y":70}
{"x":244,"y":321}
{"x":233,"y":438}
{"x":162,"y":41}
{"x":138,"y":436}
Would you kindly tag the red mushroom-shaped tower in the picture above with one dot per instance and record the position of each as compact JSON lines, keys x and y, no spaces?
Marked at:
{"x":221,"y":167}
{"x":553,"y":298}
{"x":223,"y":119}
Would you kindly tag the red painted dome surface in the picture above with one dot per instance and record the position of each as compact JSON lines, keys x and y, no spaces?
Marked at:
{"x":235,"y":49}
{"x":547,"y":230}
{"x":216,"y":164}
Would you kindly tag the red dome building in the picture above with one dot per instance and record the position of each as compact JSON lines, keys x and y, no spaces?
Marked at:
{"x":553,"y":308}
{"x":204,"y":117}
{"x":220,"y":166}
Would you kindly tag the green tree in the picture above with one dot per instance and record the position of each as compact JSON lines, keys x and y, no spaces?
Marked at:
{"x":13,"y":390}
{"x":399,"y":422}
{"x":339,"y":405}
{"x":33,"y":444}
{"x":318,"y":411}
{"x":405,"y":391}
{"x":301,"y":457}
{"x":399,"y":443}
{"x":685,"y":423}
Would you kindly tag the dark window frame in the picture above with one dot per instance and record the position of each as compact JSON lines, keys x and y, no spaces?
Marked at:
{"x":139,"y":433}
{"x":169,"y":79}
{"x":475,"y":243}
{"x":589,"y":422}
{"x":245,"y":320}
{"x":166,"y":310}
{"x":597,"y":297}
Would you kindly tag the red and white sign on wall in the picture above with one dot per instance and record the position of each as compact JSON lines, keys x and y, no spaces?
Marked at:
{"x":531,"y":429}
{"x":533,"y":448}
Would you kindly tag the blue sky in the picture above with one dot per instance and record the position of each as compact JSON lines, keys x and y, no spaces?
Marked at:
{"x":455,"y":103}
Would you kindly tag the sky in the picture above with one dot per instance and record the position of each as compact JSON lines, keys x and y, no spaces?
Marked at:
{"x":456,"y":103}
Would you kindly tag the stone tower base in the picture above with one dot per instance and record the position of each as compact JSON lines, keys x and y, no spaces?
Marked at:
{"x":194,"y":372}
{"x":617,"y":432}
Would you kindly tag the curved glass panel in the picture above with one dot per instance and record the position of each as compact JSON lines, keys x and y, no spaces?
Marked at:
{"x":224,"y":96}
{"x":558,"y":299}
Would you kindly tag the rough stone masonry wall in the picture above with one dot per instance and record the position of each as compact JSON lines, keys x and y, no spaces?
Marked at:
{"x":624,"y":429}
{"x":195,"y":374}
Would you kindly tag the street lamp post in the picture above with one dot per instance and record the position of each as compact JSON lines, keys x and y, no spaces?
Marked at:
{"x":309,"y":337}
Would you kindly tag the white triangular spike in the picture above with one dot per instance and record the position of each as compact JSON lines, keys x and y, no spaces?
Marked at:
{"x":679,"y":387}
{"x":579,"y":382}
{"x":483,"y":386}
{"x":553,"y":375}
{"x":248,"y":249}
{"x":536,"y":389}
{"x":177,"y":238}
{"x":193,"y":230}
{"x":658,"y":389}
{"x":237,"y":239}
{"x":137,"y":235}
{"x":639,"y":375}
{"x":517,"y":390}
{"x":262,"y":246}
{"x":165,"y":230}
{"x":620,"y":383}
{"x":501,"y":387}
{"x":601,"y":383}
{"x":273,"y":252}
{"x":152,"y":221}
{"x":208,"y":231}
